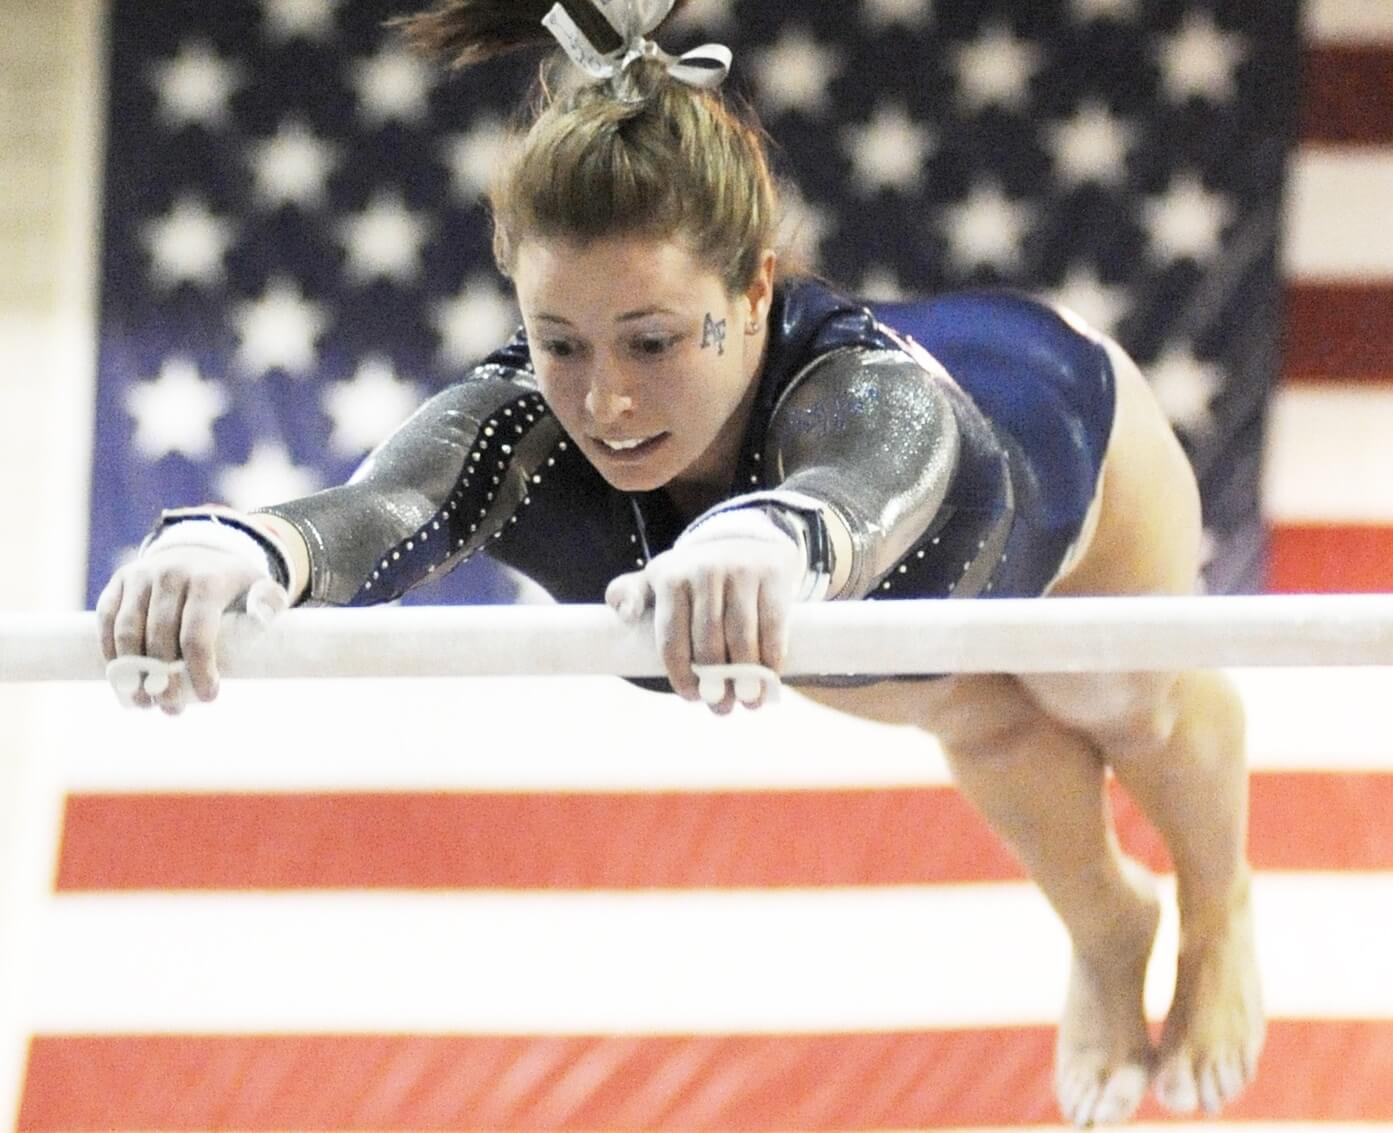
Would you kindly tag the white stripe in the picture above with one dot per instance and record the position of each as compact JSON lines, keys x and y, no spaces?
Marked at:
{"x":546,"y":733}
{"x":1318,"y":719}
{"x":1339,"y":222}
{"x":695,"y":962}
{"x":1348,"y":21}
{"x":1171,"y":1127}
{"x":1329,"y":454}
{"x":550,"y":734}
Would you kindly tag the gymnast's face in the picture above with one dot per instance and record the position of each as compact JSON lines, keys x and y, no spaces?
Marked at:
{"x":645,"y":359}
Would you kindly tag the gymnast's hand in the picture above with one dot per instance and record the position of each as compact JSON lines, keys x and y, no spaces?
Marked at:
{"x":168,"y":605}
{"x":721,"y":595}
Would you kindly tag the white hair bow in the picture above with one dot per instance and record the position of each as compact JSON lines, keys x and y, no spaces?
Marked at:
{"x":705,"y":66}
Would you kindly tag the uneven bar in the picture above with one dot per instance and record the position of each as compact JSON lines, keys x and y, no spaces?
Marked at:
{"x":925,"y":636}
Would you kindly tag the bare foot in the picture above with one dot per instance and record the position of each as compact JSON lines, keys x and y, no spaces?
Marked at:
{"x":1103,"y":1054}
{"x":1214,"y":1031}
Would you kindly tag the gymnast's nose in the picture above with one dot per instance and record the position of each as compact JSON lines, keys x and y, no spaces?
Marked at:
{"x":609,"y":399}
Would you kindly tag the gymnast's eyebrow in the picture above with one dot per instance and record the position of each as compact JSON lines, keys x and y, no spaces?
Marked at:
{"x":626,"y":317}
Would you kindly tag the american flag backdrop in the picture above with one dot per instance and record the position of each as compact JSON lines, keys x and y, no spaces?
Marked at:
{"x":512,"y":905}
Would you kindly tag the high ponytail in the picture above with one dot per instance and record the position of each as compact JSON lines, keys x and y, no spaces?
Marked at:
{"x":665,"y":160}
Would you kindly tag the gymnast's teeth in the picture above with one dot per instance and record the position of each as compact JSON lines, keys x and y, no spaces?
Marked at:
{"x":621,"y":446}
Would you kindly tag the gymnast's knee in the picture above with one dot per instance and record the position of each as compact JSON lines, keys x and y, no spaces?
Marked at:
{"x":1124,"y":714}
{"x":1197,"y":709}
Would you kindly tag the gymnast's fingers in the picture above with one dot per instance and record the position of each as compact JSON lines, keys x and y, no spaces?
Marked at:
{"x":108,"y":603}
{"x":207,"y":599}
{"x":708,"y":590}
{"x":672,"y":626}
{"x":775,"y":607}
{"x":128,"y":625}
{"x":742,"y":633}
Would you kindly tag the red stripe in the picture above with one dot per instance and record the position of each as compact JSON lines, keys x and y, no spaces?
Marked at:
{"x":1337,"y":332}
{"x":1311,"y":1071}
{"x":1347,"y":95}
{"x":1330,"y":558}
{"x":725,"y":840}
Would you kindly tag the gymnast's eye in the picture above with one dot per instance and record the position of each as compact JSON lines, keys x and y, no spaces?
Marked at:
{"x":654,"y":345}
{"x":557,"y":347}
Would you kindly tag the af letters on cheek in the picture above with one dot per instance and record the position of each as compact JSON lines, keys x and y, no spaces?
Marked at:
{"x":713,"y":331}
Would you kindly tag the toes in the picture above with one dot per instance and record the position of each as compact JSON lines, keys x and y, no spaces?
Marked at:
{"x":1121,"y":1095}
{"x":1089,"y":1095}
{"x":1175,"y":1085}
{"x":1079,"y":1107}
{"x":1210,"y":1091}
{"x":1232,"y":1076}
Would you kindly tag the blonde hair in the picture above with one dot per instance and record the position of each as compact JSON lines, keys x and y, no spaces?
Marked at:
{"x":666,"y":160}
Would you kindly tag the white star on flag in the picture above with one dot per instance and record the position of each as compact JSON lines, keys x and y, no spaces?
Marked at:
{"x":392,"y":86}
{"x":267,"y":477}
{"x":881,"y":285}
{"x":986,"y":229}
{"x":1199,"y":61}
{"x":1086,"y":11}
{"x":292,"y":166}
{"x":888,"y":152}
{"x":1092,"y":145}
{"x":474,"y":322}
{"x":306,"y":19}
{"x":175,"y":412}
{"x":1186,"y":221}
{"x":195,"y":85}
{"x":793,"y":73}
{"x":1099,"y":305}
{"x":473,"y":156}
{"x":706,"y":15}
{"x":1185,"y":386}
{"x":384,"y":240}
{"x":803,"y":227}
{"x":367,"y":407}
{"x":995,"y":68}
{"x":882,"y":14}
{"x":278,"y":331}
{"x":187,"y":244}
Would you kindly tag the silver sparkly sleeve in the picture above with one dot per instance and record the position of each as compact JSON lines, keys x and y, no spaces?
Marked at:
{"x":400,"y":485}
{"x":873,"y":434}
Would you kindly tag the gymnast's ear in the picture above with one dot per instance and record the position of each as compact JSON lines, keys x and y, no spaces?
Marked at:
{"x":760,"y":291}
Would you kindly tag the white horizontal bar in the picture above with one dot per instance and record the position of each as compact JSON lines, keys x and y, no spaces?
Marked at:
{"x":1339,"y":209}
{"x":656,"y":962}
{"x":1024,"y":635}
{"x":1328,"y":457}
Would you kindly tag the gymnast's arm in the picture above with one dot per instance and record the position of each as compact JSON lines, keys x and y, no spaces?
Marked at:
{"x":865,"y":442}
{"x":168,"y":603}
{"x":344,"y":531}
{"x":861,"y":448}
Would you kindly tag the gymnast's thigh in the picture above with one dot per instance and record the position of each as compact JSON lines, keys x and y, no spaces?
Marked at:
{"x":963,"y":711}
{"x":1146,"y":542}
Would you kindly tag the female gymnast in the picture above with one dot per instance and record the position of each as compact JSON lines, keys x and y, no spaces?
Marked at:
{"x":679,"y":428}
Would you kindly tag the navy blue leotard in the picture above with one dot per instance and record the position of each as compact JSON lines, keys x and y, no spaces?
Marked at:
{"x":960,"y":437}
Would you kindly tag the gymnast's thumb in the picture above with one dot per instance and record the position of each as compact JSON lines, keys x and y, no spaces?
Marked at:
{"x":266,"y":599}
{"x":629,"y":595}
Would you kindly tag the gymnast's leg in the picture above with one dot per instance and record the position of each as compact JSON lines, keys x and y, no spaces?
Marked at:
{"x":1030,"y":753}
{"x":1007,"y":755}
{"x":1175,"y":742}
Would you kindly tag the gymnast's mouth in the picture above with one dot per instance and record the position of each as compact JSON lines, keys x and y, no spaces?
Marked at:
{"x":630,"y":448}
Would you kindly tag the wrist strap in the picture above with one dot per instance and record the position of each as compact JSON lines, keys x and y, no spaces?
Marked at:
{"x":221,"y":529}
{"x":802,"y":519}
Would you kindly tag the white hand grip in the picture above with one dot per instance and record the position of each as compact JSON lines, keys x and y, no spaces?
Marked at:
{"x":749,"y":680}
